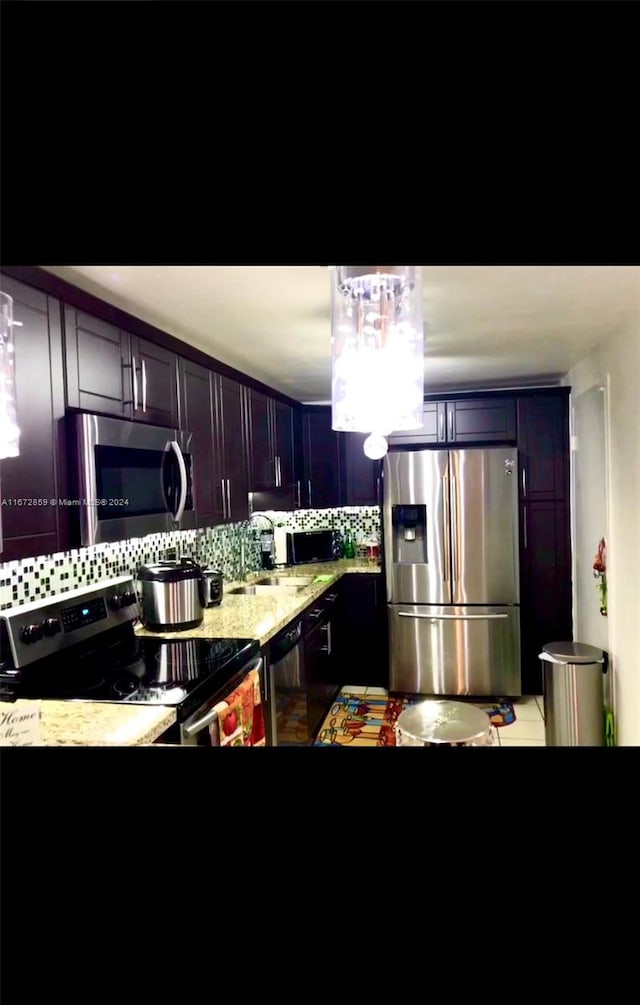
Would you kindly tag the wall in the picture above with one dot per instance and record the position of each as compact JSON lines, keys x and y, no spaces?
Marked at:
{"x":31,"y":579}
{"x":615,"y":364}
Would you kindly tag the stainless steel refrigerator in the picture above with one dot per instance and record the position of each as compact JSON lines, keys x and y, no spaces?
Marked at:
{"x":450,"y":547}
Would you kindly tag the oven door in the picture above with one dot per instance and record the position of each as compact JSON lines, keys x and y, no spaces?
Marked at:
{"x":196,"y":731}
{"x":132,"y":479}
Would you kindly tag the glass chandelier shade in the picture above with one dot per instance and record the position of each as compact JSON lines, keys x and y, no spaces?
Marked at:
{"x":377,"y":375}
{"x":9,"y":432}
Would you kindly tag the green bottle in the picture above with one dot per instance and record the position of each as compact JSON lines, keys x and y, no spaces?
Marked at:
{"x":349,"y":545}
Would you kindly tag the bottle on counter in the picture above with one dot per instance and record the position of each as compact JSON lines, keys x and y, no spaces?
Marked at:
{"x":349,"y":545}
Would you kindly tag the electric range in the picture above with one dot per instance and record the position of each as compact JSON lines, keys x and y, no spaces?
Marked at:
{"x":81,"y":646}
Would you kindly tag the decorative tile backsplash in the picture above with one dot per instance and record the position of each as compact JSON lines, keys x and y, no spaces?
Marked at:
{"x":27,"y":580}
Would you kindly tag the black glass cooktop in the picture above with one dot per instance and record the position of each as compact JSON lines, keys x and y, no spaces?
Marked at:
{"x":119,"y":667}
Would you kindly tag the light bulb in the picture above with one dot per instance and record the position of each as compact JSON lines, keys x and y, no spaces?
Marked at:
{"x":375,"y":446}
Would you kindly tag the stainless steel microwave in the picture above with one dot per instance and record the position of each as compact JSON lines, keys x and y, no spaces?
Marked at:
{"x":129,"y":479}
{"x":312,"y":546}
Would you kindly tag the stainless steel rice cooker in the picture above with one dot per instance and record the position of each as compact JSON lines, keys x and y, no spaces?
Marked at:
{"x":172,"y":595}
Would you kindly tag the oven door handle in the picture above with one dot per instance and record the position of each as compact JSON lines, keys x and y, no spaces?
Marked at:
{"x":211,"y":715}
{"x":177,"y":516}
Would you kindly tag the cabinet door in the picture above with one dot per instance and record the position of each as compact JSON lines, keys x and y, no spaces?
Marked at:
{"x":546,"y":612}
{"x":262,"y":475}
{"x":543,"y":442}
{"x":321,"y":486}
{"x":283,"y":445}
{"x":433,"y":429}
{"x":98,"y":365}
{"x":197,"y":416}
{"x":319,"y":674}
{"x":35,"y":528}
{"x":481,"y":420}
{"x":234,"y":498}
{"x":156,"y":372}
{"x":360,"y":483}
{"x":362,"y":643}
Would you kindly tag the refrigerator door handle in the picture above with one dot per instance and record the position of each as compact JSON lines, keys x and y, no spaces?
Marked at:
{"x":446,"y":540}
{"x":453,"y":617}
{"x":454,"y":531}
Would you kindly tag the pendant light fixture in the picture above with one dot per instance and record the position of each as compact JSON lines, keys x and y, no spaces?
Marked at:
{"x":9,"y":432}
{"x":377,"y":378}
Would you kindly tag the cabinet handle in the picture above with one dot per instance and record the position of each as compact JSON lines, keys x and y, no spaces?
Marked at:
{"x":309,"y":485}
{"x":524,"y":482}
{"x":134,"y":376}
{"x":450,"y":423}
{"x":298,"y":490}
{"x":224,"y":501}
{"x":524,"y":527}
{"x":144,"y":386}
{"x":440,"y":423}
{"x":326,"y":649}
{"x":278,"y":477}
{"x":229,"y":498}
{"x":378,"y":491}
{"x":315,"y":614}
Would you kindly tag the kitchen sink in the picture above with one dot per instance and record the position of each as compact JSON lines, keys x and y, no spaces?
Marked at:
{"x":286,"y":581}
{"x":265,"y":589}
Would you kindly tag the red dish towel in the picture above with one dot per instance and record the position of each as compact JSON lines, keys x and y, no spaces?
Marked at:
{"x":240,"y":717}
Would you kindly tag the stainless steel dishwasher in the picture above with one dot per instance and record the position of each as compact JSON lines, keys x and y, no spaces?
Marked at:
{"x":287,"y":700}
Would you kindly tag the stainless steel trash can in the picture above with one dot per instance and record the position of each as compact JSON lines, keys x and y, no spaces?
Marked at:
{"x":573,"y":694}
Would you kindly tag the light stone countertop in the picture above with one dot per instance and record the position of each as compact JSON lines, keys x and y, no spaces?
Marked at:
{"x":89,"y":724}
{"x":99,"y":724}
{"x":261,"y":616}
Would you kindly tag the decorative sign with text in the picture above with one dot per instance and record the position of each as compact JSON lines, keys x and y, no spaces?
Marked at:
{"x":21,"y":725}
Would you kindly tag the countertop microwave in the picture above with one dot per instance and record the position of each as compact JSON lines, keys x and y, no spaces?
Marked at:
{"x":128,"y":478}
{"x":312,"y":546}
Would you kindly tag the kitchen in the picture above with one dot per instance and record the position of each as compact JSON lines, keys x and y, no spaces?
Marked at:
{"x":254,"y":393}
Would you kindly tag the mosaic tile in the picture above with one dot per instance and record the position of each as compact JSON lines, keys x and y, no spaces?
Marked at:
{"x":218,"y":547}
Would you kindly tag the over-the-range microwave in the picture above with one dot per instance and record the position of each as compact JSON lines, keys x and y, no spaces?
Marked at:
{"x":128,"y":479}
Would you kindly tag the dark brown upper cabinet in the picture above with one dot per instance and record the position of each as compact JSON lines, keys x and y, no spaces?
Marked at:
{"x":432,"y":430}
{"x":360,"y":482}
{"x":269,"y":436}
{"x":230,"y":487}
{"x":155,"y":388}
{"x":98,"y":365}
{"x":469,"y":420}
{"x":29,"y":523}
{"x":197,"y":415}
{"x":321,"y":452}
{"x":543,"y":442}
{"x":115,"y":373}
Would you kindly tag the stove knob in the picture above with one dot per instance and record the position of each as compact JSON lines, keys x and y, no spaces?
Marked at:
{"x":50,"y":626}
{"x":31,"y":633}
{"x":116,"y":602}
{"x":129,"y":598}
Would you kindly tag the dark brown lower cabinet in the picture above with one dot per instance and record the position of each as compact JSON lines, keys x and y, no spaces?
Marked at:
{"x":321,"y":654}
{"x":545,"y":583}
{"x":362,"y":643}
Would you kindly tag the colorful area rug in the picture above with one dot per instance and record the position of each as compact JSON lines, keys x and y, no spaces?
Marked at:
{"x":362,"y":721}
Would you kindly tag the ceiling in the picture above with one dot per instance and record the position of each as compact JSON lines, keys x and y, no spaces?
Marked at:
{"x":485,"y":326}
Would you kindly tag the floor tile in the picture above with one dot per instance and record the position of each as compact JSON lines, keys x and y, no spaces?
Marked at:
{"x":540,"y":704}
{"x":521,"y":742}
{"x":530,"y":711}
{"x":381,"y":692}
{"x":527,"y":699}
{"x":354,"y":689}
{"x":530,"y":729}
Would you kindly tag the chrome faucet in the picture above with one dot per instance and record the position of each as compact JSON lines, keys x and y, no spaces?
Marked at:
{"x":244,"y":527}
